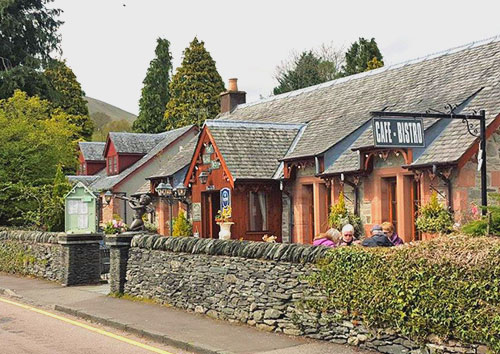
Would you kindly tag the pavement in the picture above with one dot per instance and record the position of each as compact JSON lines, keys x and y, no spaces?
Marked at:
{"x":173,"y":327}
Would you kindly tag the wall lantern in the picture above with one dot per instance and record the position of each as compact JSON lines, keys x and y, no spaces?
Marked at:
{"x":180,"y":190}
{"x":108,"y":196}
{"x":164,"y":189}
{"x":203,"y":177}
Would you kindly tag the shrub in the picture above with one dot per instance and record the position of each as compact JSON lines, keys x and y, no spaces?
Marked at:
{"x":340,"y":216}
{"x":449,"y":286}
{"x":433,"y":217}
{"x":182,"y":226}
{"x":489,"y":224}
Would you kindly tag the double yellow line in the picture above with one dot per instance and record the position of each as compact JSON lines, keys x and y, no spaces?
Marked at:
{"x":87,"y":327}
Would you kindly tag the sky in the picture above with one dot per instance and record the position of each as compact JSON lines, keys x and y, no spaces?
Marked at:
{"x":109,"y":43}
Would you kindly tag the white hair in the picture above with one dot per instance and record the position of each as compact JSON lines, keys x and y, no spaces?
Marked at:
{"x":347,"y":228}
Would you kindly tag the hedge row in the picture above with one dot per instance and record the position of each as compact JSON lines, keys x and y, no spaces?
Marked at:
{"x":449,"y":287}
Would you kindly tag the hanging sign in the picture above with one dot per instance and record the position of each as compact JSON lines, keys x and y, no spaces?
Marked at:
{"x":225,"y":198}
{"x":398,"y":132}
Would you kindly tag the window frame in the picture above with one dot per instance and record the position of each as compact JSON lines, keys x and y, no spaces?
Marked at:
{"x":249,"y":223}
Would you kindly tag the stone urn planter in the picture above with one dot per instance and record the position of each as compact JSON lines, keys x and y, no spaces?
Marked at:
{"x":225,"y":230}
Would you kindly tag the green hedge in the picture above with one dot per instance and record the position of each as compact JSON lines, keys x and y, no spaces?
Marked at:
{"x":449,"y":287}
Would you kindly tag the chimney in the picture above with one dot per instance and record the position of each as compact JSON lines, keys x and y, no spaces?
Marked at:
{"x":232,"y":97}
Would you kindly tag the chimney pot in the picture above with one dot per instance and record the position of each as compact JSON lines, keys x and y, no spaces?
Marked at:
{"x":233,"y":85}
{"x":232,"y":97}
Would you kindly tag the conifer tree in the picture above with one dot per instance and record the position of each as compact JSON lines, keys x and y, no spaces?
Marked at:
{"x":195,"y":89}
{"x":67,"y":94}
{"x":359,"y":57}
{"x":155,"y":92}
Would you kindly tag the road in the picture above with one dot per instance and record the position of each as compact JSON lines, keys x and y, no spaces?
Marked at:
{"x":28,"y":330}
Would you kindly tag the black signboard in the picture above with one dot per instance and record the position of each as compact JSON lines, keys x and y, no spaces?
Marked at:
{"x":398,"y":132}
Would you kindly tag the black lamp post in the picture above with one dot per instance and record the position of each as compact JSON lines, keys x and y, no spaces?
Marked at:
{"x":165,"y":190}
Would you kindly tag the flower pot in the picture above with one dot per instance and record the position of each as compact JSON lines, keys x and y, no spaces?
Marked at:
{"x":225,"y":230}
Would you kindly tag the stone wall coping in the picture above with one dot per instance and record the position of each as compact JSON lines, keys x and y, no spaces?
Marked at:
{"x":30,"y":236}
{"x":68,"y":239}
{"x":295,"y":253}
{"x":118,"y":240}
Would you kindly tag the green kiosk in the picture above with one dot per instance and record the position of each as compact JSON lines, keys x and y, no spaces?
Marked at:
{"x":80,"y":210}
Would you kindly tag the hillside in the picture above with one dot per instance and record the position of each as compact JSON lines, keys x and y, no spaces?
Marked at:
{"x":108,"y":118}
{"x":113,"y":112}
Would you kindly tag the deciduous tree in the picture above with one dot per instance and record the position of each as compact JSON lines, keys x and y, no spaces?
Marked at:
{"x":194,"y":89}
{"x":67,"y":94}
{"x":35,"y":140}
{"x":155,"y":92}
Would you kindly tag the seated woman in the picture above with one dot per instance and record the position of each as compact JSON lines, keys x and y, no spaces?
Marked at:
{"x":330,"y":238}
{"x":347,"y":235}
{"x":388,"y":229}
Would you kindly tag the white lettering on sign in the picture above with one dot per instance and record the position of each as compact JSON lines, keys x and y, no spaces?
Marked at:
{"x":383,"y":132}
{"x":409,"y":133}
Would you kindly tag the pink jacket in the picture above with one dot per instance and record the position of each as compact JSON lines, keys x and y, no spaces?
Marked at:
{"x":324,"y":242}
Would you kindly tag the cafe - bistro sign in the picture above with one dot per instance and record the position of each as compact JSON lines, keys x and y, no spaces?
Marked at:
{"x":398,"y":132}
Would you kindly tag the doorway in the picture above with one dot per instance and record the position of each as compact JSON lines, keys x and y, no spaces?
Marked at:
{"x":210,"y":204}
{"x":416,"y":197}
{"x":392,"y":205}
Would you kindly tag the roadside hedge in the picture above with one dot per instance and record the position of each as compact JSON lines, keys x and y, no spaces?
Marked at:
{"x":449,"y":287}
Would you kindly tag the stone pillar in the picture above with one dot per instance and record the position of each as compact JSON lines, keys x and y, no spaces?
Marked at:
{"x":118,"y":256}
{"x":80,"y":256}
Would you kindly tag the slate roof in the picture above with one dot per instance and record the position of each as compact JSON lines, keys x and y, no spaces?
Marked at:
{"x":86,"y":180}
{"x":92,"y":151}
{"x":178,"y":161}
{"x":337,"y":108}
{"x":144,"y":189}
{"x":108,"y":182}
{"x":139,"y":143}
{"x":252,"y":150}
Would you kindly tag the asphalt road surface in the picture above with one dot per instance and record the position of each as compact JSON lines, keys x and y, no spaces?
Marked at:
{"x":25,"y":329}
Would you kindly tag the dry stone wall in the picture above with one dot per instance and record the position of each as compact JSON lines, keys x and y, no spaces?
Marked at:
{"x":67,"y":259}
{"x":31,"y":253}
{"x":260,"y":284}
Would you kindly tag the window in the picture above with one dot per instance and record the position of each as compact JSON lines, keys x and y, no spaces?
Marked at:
{"x":257,"y":202}
{"x":115,"y":164}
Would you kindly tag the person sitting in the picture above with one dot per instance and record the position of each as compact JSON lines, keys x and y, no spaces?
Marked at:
{"x":377,"y":239}
{"x":382,"y":236}
{"x":388,"y":229}
{"x":330,"y":238}
{"x":347,"y":235}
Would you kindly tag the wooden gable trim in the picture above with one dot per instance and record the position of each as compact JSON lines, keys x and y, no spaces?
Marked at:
{"x":490,"y":129}
{"x":194,"y":160}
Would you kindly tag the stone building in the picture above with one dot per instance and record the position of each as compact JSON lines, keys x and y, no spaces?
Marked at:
{"x":330,"y":147}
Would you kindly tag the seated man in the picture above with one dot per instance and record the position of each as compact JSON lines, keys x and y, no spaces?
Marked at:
{"x":378,"y":238}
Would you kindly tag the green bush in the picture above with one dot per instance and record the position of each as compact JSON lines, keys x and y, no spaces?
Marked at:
{"x":340,"y":216}
{"x":489,"y":224}
{"x":433,"y":217}
{"x":449,"y":286}
{"x":182,"y":226}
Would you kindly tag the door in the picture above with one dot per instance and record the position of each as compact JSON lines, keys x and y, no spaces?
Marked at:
{"x":210,"y":207}
{"x":392,"y":199}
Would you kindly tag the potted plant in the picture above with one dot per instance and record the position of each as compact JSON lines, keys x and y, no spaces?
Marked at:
{"x":339,"y":216}
{"x":223,"y":219}
{"x":433,"y":218}
{"x":114,"y":227}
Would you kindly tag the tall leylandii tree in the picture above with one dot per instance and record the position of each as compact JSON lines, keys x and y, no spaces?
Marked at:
{"x":195,"y":89}
{"x":363,"y":55}
{"x":155,"y":92}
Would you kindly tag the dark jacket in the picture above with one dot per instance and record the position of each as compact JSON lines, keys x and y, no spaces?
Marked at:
{"x":377,"y":241}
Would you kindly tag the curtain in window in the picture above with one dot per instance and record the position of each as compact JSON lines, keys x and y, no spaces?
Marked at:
{"x":263,"y":209}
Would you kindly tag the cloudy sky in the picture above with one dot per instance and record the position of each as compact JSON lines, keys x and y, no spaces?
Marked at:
{"x":109,"y":43}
